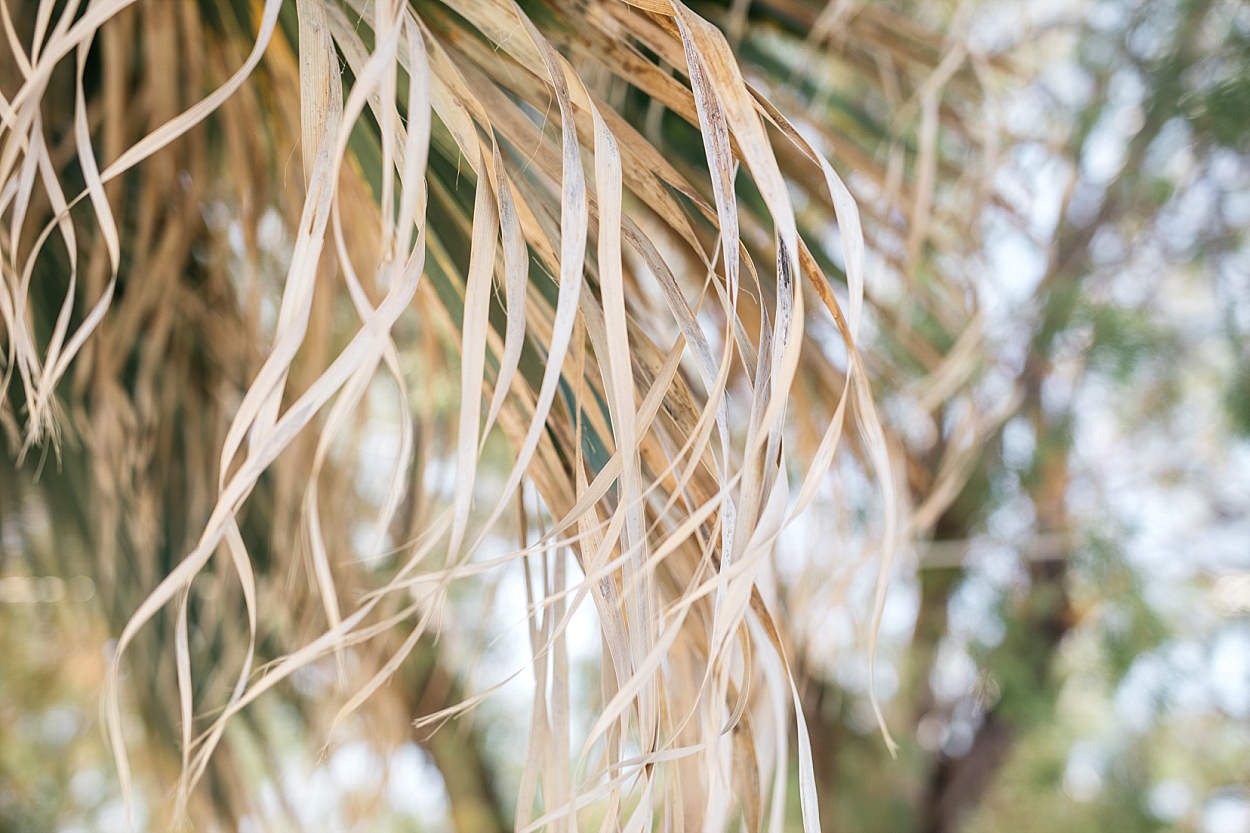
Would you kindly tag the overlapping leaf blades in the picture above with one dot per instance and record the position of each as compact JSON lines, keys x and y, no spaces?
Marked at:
{"x":635,"y":318}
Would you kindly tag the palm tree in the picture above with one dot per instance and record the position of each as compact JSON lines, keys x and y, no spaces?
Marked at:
{"x":591,"y":276}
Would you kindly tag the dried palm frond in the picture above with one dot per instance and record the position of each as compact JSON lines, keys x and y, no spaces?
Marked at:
{"x":482,"y":238}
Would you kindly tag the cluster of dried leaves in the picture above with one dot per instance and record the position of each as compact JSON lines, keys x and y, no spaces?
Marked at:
{"x":642,"y":275}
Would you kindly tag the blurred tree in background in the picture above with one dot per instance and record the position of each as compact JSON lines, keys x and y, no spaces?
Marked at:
{"x":1079,"y":656}
{"x":1055,"y":205}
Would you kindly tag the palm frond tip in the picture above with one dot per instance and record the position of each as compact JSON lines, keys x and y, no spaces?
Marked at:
{"x":630,"y":309}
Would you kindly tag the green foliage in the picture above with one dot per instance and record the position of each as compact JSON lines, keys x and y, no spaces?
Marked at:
{"x":1237,"y":400}
{"x":1122,"y":338}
